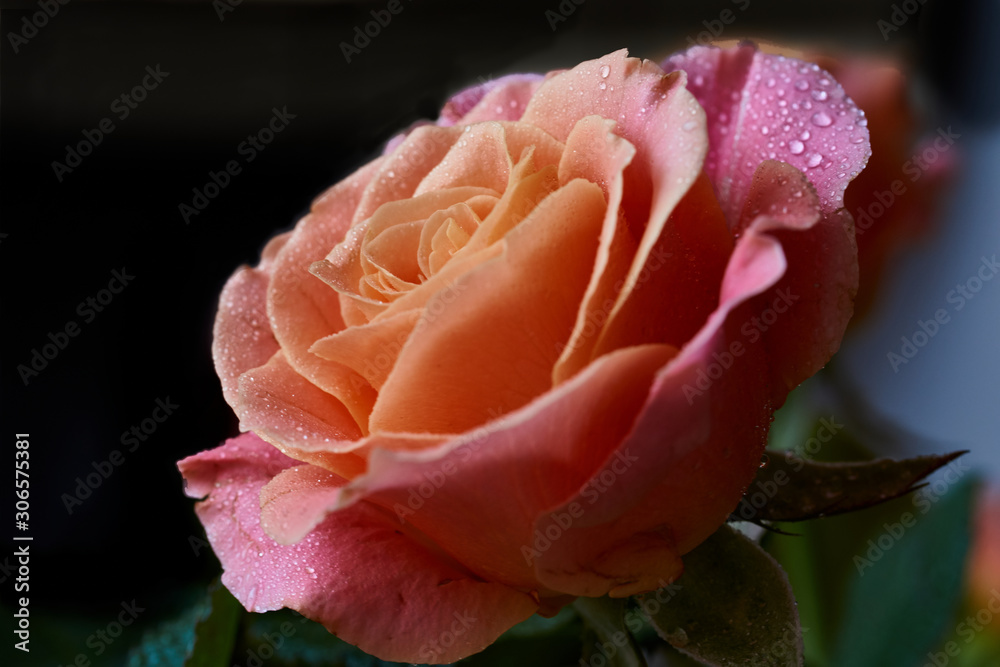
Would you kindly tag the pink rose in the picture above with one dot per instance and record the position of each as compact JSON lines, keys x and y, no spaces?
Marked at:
{"x":531,"y":352}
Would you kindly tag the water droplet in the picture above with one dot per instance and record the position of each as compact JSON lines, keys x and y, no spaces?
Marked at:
{"x":602,"y":85}
{"x":821,"y":119}
{"x":699,"y":80}
{"x":764,"y":129}
{"x":819,"y":95}
{"x":605,"y":71}
{"x":813,"y":160}
{"x":796,"y":146}
{"x":688,"y":126}
{"x":771,"y":82}
{"x":678,"y":637}
{"x":805,"y":135}
{"x":802,"y":84}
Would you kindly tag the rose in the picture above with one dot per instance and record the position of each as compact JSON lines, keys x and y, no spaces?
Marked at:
{"x":531,"y":352}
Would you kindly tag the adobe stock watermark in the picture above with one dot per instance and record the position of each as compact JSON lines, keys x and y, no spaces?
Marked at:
{"x":922,"y":500}
{"x":914,"y":168}
{"x":560,"y":522}
{"x":248,"y":149}
{"x":58,"y":341}
{"x":715,"y":27}
{"x":967,"y":629}
{"x":434,"y":648}
{"x":223,"y":7}
{"x":435,"y":479}
{"x":131,"y":439}
{"x":102,"y":638}
{"x":752,"y":330}
{"x":763,"y":490}
{"x":561,"y":13}
{"x":272,"y":641}
{"x":900,"y":14}
{"x":122,"y":106}
{"x":363,"y":35}
{"x":958,"y":297}
{"x":30,"y":25}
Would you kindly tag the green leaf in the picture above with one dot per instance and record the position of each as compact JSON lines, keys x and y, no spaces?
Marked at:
{"x":733,"y":606}
{"x":909,"y":581}
{"x":790,"y":488}
{"x":203,"y":636}
{"x":606,"y":634}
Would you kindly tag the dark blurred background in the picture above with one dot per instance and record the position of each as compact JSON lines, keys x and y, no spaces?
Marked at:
{"x":229,"y":66}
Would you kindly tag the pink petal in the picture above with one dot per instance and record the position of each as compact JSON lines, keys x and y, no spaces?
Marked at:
{"x":297,"y":500}
{"x":819,"y":283}
{"x":507,"y":473}
{"x":681,"y":470}
{"x":500,"y":99}
{"x":762,"y":106}
{"x":299,"y":418}
{"x":689,"y":471}
{"x":402,"y":170}
{"x":303,"y":309}
{"x":355,"y":573}
{"x":241,"y":337}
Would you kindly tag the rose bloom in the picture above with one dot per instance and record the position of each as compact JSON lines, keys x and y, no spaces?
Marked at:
{"x":532,"y":351}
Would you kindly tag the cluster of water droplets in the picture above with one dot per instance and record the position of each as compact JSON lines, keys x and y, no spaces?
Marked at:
{"x":787,"y":110}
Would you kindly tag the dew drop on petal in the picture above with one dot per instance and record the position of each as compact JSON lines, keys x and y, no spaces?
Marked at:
{"x":796,"y":146}
{"x":819,"y":95}
{"x":688,"y":126}
{"x":813,"y":160}
{"x":802,"y":84}
{"x":605,"y":71}
{"x":821,"y":119}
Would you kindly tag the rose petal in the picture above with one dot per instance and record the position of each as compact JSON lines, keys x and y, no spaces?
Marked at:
{"x":656,"y":114}
{"x":507,"y":473}
{"x":303,"y":309}
{"x":595,"y":153}
{"x":342,"y":268}
{"x":299,"y":418}
{"x":370,"y":349}
{"x":693,"y":449}
{"x":242,"y":337}
{"x":820,"y":281}
{"x":541,"y":278}
{"x":348,"y":571}
{"x":402,"y":170}
{"x":679,"y":287}
{"x":500,"y":99}
{"x":761,"y":106}
{"x":297,"y":500}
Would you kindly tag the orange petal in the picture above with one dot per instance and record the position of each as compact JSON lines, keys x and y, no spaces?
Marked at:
{"x":494,"y":363}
